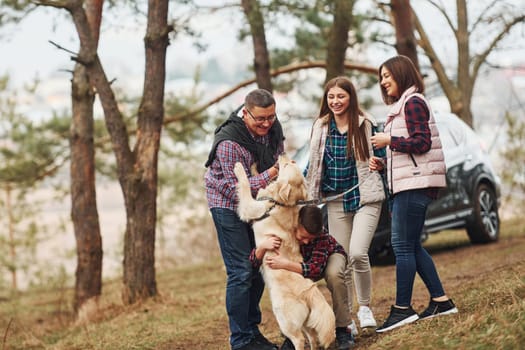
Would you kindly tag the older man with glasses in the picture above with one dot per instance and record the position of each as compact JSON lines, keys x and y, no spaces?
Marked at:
{"x":251,"y":135}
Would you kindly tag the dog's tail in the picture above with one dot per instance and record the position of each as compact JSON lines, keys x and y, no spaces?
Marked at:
{"x":321,"y":318}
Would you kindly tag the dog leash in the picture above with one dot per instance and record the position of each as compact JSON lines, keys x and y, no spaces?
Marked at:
{"x":312,"y":201}
{"x":334,"y":197}
{"x":329,"y":198}
{"x":308,"y":202}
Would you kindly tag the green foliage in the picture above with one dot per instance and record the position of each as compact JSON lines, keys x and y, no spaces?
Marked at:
{"x":181,"y":164}
{"x":14,"y":10}
{"x":54,"y":277}
{"x":189,"y":127}
{"x":30,"y":152}
{"x":314,"y":20}
{"x":310,"y":36}
{"x":513,"y":173}
{"x":24,"y":232}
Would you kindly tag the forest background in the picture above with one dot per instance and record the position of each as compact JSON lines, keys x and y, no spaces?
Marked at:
{"x":76,"y":180}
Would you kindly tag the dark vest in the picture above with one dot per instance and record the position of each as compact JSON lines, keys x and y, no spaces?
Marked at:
{"x":234,"y":129}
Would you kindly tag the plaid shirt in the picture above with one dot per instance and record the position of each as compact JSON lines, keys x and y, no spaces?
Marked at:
{"x":220,"y":180}
{"x":340,"y":172}
{"x":416,"y":116}
{"x":419,"y":140}
{"x":315,"y":255}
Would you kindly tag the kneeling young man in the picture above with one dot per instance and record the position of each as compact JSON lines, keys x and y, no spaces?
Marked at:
{"x":323,"y":257}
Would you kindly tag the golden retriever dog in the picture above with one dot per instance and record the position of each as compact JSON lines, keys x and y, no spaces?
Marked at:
{"x":298,"y":305}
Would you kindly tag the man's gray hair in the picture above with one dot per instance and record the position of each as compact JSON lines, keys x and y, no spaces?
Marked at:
{"x":259,"y":98}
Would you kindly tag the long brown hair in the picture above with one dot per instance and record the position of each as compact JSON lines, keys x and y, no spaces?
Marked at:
{"x":404,"y":73}
{"x":355,"y":136}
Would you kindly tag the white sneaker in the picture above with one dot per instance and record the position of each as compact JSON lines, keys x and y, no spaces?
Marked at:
{"x":366,"y":318}
{"x":353,"y":329}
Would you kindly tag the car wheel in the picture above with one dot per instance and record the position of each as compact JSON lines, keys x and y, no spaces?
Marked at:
{"x":483,"y":227}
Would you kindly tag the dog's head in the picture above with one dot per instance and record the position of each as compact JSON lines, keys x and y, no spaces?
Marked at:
{"x":290,"y":181}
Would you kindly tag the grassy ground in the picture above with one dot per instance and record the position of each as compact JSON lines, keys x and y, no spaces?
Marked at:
{"x":487,"y":283}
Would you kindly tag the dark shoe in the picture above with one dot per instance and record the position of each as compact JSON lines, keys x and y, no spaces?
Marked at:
{"x":261,"y":339}
{"x":253,"y":345}
{"x":344,"y":338}
{"x":259,"y":342}
{"x":287,"y":345}
{"x":398,"y":317}
{"x":256,"y":345}
{"x":437,"y":308}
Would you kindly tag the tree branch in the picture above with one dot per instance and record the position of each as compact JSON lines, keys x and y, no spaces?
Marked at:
{"x":479,"y":59}
{"x":441,"y":9}
{"x":481,"y":16}
{"x":283,"y":70}
{"x":62,"y":48}
{"x":424,"y":43}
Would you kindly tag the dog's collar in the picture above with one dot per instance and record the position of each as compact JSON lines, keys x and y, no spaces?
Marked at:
{"x":275,"y":202}
{"x":266,"y":213}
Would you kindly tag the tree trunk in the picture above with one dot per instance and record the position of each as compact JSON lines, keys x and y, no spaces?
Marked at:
{"x":261,"y":60}
{"x":403,"y":22}
{"x":338,"y":39}
{"x":84,"y":214}
{"x":141,"y":188}
{"x":465,"y":81}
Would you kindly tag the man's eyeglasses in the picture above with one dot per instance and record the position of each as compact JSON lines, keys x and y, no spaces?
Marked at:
{"x":260,"y":120}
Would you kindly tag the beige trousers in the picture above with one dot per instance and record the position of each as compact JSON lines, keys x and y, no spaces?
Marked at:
{"x":334,"y":276}
{"x":354,"y":231}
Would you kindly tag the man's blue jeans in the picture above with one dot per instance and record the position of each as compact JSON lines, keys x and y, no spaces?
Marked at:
{"x":245,"y":285}
{"x":408,"y":218}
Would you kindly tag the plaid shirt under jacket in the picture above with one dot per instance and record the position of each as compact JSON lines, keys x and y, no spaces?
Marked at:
{"x":315,"y":255}
{"x":340,"y":172}
{"x":220,"y":180}
{"x":416,"y":117}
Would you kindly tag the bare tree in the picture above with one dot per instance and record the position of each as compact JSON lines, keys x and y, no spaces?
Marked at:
{"x":495,"y":21}
{"x":261,"y":60}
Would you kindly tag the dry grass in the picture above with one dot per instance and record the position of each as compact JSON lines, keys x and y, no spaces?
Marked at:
{"x":487,"y":283}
